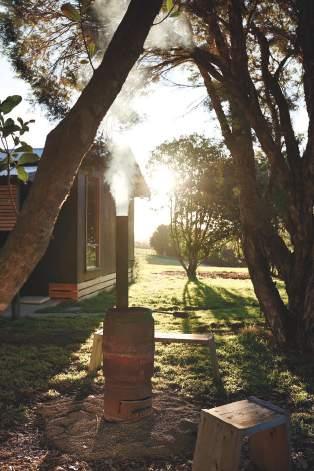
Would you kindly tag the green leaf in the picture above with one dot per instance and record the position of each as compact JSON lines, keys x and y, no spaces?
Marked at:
{"x":22,"y":174}
{"x":91,"y":49}
{"x":9,"y":122}
{"x":28,"y":158}
{"x":9,"y":127}
{"x":24,"y":129}
{"x":84,"y":61}
{"x":70,"y":12}
{"x":24,"y":147}
{"x":4,"y":164}
{"x":9,"y":103}
{"x":169,"y":4}
{"x":174,"y":14}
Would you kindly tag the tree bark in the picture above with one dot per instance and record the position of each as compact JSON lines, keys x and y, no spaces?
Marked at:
{"x":253,"y":231}
{"x":65,"y":148}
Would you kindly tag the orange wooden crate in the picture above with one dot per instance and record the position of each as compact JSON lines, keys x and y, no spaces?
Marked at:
{"x":7,"y":209}
{"x":63,"y":291}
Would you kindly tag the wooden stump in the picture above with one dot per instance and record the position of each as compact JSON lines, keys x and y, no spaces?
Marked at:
{"x":270,"y":448}
{"x":221,"y":430}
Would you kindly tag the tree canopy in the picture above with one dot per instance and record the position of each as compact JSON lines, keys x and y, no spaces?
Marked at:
{"x":49,"y":43}
{"x":204,"y":207}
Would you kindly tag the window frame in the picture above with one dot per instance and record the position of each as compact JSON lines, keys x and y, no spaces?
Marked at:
{"x":88,"y":178}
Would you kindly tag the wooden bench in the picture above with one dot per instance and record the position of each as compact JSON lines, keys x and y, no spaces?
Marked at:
{"x":221,"y":430}
{"x":164,"y":337}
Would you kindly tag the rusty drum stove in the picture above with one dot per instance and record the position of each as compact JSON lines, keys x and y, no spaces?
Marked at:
{"x":128,"y":346}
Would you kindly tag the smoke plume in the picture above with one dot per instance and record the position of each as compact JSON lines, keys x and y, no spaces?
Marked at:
{"x":120,"y":176}
{"x":172,"y":32}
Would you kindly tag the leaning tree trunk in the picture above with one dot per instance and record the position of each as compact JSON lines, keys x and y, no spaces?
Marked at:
{"x":65,"y":148}
{"x":300,"y":283}
{"x":254,"y":221}
{"x":292,"y":323}
{"x":256,"y":228}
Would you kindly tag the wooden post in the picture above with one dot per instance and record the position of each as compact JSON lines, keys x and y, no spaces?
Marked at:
{"x":213,"y":355}
{"x":96,"y":355}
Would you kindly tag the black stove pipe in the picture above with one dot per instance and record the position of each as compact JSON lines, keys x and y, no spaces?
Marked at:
{"x":122,"y":262}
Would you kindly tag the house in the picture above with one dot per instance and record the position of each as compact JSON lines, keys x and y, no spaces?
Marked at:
{"x":80,"y":259}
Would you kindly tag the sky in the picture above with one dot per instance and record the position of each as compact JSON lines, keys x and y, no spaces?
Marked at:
{"x":168,"y":112}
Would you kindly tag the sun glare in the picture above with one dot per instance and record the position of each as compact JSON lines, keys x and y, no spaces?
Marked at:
{"x":163,"y":181}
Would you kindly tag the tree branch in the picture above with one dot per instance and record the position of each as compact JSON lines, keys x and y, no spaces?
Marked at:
{"x":272,"y":84}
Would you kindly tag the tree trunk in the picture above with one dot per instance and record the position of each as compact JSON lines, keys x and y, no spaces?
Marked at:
{"x":65,"y":148}
{"x":293,"y":324}
{"x":253,"y":231}
{"x":300,"y":290}
{"x":191,"y":271}
{"x":255,"y":222}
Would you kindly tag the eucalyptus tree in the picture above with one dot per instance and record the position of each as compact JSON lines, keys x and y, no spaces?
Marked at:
{"x":66,"y":146}
{"x":255,"y":60}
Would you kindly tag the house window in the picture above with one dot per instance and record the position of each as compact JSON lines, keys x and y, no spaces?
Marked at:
{"x":92,"y":223}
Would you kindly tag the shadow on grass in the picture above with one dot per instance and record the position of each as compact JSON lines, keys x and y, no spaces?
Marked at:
{"x":200,"y":296}
{"x":252,"y":366}
{"x":42,"y":357}
{"x":95,"y":304}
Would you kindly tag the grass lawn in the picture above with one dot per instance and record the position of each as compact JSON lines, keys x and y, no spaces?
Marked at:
{"x":47,"y":356}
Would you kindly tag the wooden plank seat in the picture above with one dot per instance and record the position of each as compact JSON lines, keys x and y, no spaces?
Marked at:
{"x":221,"y":430}
{"x":163,"y":337}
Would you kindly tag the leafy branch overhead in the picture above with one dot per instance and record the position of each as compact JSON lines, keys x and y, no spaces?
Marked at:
{"x":50,"y":44}
{"x":55,"y":45}
{"x":15,"y":153}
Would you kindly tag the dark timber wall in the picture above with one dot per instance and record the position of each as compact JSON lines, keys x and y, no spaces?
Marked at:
{"x":62,"y":272}
{"x":59,"y":264}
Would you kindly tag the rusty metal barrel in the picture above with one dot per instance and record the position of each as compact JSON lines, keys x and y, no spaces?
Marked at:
{"x":128,"y":363}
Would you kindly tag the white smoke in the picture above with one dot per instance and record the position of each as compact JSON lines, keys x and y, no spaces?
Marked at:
{"x":109,"y":14}
{"x":120,"y":176}
{"x":122,"y":113}
{"x":172,"y":32}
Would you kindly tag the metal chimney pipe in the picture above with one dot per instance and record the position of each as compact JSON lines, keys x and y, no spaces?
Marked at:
{"x":122,"y":261}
